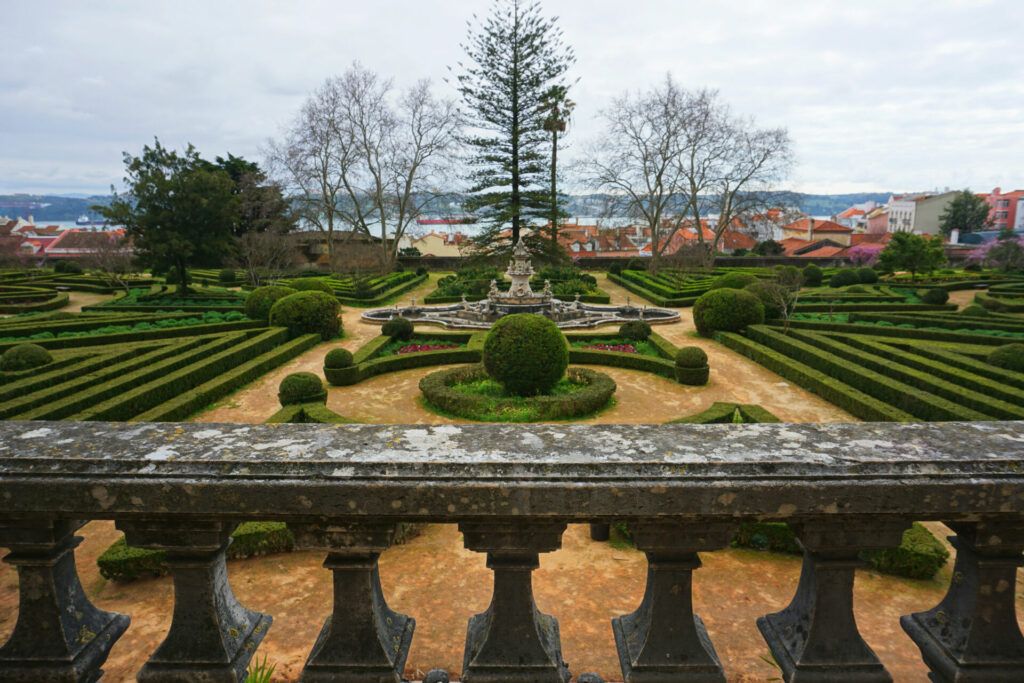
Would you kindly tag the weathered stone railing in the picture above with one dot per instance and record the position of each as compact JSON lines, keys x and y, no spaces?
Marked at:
{"x":512,"y":489}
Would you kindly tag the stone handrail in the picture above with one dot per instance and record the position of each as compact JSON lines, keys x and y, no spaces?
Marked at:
{"x":182,"y":488}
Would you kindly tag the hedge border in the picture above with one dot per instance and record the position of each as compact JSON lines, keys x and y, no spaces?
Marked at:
{"x":721,"y":412}
{"x":307,"y":413}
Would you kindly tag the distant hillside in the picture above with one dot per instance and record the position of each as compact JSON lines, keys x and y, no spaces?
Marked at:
{"x":68,"y":208}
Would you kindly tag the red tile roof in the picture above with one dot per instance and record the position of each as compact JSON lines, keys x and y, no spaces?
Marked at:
{"x":819,"y":226}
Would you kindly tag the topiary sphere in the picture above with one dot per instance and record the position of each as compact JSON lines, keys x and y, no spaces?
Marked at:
{"x":734,"y":281}
{"x":24,"y":357}
{"x":397,"y":328}
{"x":772,"y":296}
{"x":726,"y":310}
{"x":312,"y":285}
{"x":338,"y":358}
{"x":262,"y":299}
{"x":308,"y":313}
{"x":857,"y":289}
{"x":635,"y":330}
{"x":935,"y":296}
{"x":226,"y":276}
{"x":867,"y":276}
{"x":301,"y":387}
{"x":691,"y":357}
{"x":975,"y":310}
{"x":1008,"y":357}
{"x":526,"y":353}
{"x":812,"y":275}
{"x":844,"y":278}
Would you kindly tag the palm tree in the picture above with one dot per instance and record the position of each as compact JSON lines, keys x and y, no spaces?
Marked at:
{"x":557,"y":106}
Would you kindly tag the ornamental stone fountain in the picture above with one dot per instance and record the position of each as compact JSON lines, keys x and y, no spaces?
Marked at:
{"x":520,"y":298}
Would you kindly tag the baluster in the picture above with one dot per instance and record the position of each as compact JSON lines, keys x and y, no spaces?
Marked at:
{"x":59,"y":635}
{"x":212,"y":636}
{"x":973,"y":634}
{"x":663,"y":641}
{"x":816,"y":638}
{"x":512,"y":641}
{"x":363,"y":641}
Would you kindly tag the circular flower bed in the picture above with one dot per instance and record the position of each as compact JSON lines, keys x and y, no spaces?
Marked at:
{"x":468,"y":392}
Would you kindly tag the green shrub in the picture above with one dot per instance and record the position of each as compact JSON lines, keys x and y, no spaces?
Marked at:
{"x":68,"y":267}
{"x":726,"y":310}
{"x":397,"y":328}
{"x":774,"y":536}
{"x":691,"y":357}
{"x":636,"y":264}
{"x":526,"y":353}
{"x":308,"y":313}
{"x":312,"y":285}
{"x":857,"y":289}
{"x":692,"y":366}
{"x":301,"y":387}
{"x":635,"y":330}
{"x":844,"y":278}
{"x":772,"y":296}
{"x":122,"y":562}
{"x":24,"y":357}
{"x":227,"y":276}
{"x":974,"y":310}
{"x":919,"y":556}
{"x":338,"y":358}
{"x":1009,"y":357}
{"x":734,"y":281}
{"x":867,"y":276}
{"x":935,"y":296}
{"x":262,"y":299}
{"x":615,"y":269}
{"x":421,"y":270}
{"x":812,"y":275}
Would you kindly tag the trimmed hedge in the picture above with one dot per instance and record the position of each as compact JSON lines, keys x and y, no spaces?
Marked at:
{"x":308,"y":313}
{"x":301,"y":387}
{"x":437,"y":390}
{"x":1009,"y":357}
{"x":635,"y":330}
{"x":307,"y":413}
{"x":734,"y":281}
{"x":24,"y":357}
{"x":692,"y":366}
{"x":526,"y":353}
{"x":812,"y":275}
{"x":262,"y":299}
{"x":397,"y":328}
{"x":725,"y":413}
{"x":122,"y":562}
{"x":919,"y":556}
{"x":726,"y":310}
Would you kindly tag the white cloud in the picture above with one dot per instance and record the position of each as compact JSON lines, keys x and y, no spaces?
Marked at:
{"x":878,"y":94}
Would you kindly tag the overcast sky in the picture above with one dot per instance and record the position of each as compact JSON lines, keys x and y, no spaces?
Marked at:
{"x":877,"y":94}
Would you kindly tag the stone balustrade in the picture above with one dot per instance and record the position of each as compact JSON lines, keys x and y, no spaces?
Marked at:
{"x":683,"y":489}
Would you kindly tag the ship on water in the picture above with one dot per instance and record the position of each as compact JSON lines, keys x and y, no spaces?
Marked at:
{"x":85,"y":222}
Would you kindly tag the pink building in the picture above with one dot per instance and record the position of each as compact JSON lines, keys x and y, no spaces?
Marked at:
{"x":1007,"y":209}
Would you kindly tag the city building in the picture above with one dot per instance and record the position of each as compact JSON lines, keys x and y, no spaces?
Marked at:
{"x":918,"y":213}
{"x":1007,"y":209}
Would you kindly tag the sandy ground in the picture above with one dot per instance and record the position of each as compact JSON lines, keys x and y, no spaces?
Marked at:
{"x":640,"y":398}
{"x":78,"y":299}
{"x":440,"y":583}
{"x":436,"y":580}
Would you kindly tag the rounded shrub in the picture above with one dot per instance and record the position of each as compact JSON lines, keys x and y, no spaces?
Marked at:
{"x":975,"y":310}
{"x":772,"y":296}
{"x":636,"y":264}
{"x":726,"y":310}
{"x":635,"y":330}
{"x":397,"y":328}
{"x":262,"y":299}
{"x":301,"y":387}
{"x":812,"y":275}
{"x":338,"y":358}
{"x":68,"y":267}
{"x":867,"y":276}
{"x":857,"y":289}
{"x":1008,"y":357}
{"x":24,"y":357}
{"x":935,"y":296}
{"x":172,"y":277}
{"x":226,"y":276}
{"x":734,"y":281}
{"x":307,"y":313}
{"x":310,"y":284}
{"x":615,"y":269}
{"x":692,"y":366}
{"x":844,"y":278}
{"x":421,"y":270}
{"x":526,"y":353}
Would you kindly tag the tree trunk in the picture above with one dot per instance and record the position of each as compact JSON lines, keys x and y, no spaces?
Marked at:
{"x":554,"y":195}
{"x":182,"y":277}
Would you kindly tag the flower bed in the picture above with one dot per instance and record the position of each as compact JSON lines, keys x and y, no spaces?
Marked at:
{"x":468,"y":392}
{"x":416,"y":348}
{"x":619,"y":348}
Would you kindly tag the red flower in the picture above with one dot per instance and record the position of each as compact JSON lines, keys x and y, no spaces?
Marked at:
{"x":621,"y":348}
{"x":416,"y":348}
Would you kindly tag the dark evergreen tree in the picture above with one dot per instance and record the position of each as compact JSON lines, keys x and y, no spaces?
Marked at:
{"x":514,"y":57}
{"x":967,"y":212}
{"x":261,"y":204}
{"x":178,"y":212}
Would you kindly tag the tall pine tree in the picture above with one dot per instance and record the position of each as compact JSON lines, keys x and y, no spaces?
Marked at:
{"x":514,"y":57}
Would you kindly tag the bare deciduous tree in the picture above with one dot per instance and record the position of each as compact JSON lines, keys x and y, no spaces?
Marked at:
{"x":113,"y":259}
{"x":264,"y":255}
{"x":362,"y":157}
